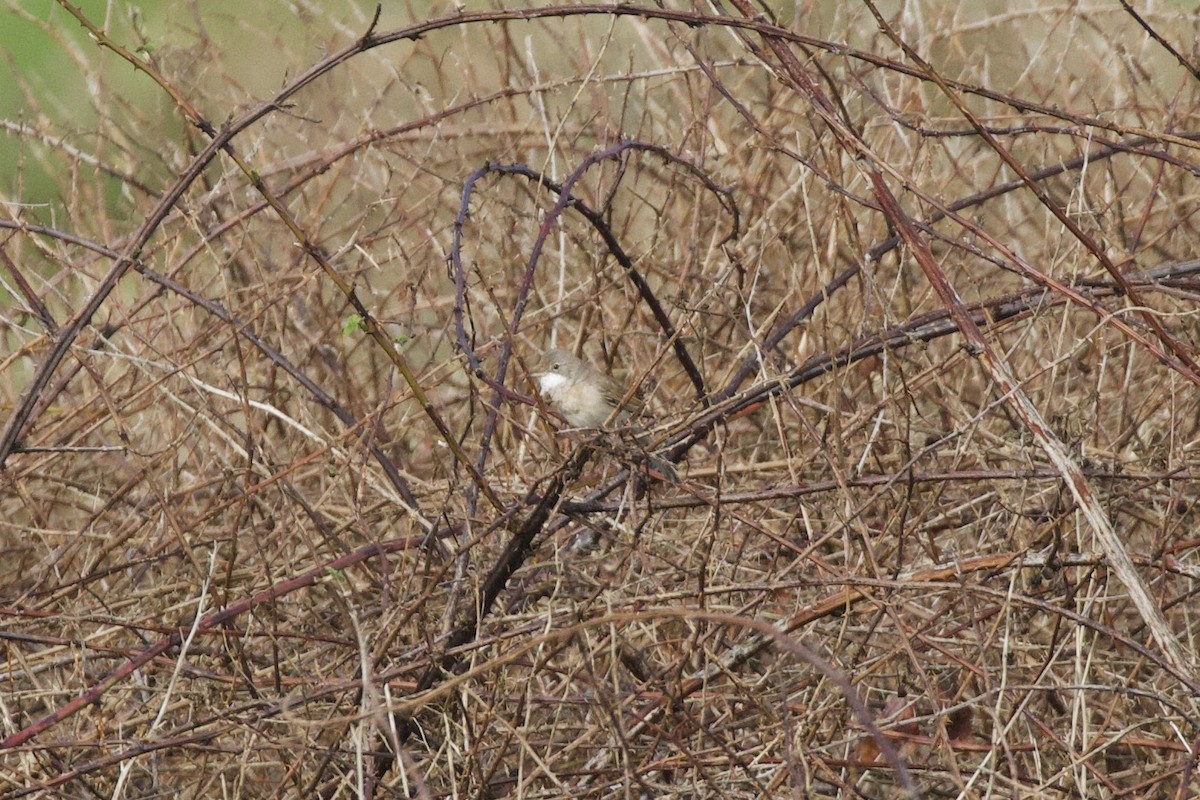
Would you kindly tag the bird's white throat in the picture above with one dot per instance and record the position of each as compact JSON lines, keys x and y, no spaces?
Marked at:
{"x":552,"y":382}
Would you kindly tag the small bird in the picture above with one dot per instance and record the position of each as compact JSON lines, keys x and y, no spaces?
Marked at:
{"x":584,"y":395}
{"x":587,"y":398}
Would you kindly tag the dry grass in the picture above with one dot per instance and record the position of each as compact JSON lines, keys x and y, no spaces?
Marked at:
{"x":284,"y":505}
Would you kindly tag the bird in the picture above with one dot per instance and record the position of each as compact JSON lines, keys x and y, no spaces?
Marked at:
{"x":587,"y":398}
{"x":584,"y":395}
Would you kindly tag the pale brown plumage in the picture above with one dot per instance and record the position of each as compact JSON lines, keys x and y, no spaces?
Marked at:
{"x":587,"y":398}
{"x":584,"y":395}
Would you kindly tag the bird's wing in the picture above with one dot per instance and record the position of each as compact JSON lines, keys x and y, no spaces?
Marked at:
{"x":615,"y":391}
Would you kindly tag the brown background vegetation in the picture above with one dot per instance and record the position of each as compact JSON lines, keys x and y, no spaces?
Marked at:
{"x":913,"y":299}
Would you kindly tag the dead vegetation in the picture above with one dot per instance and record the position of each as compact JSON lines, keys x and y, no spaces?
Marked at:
{"x":913,"y":297}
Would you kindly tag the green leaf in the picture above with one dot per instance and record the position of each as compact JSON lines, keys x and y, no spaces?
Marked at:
{"x":353,"y":324}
